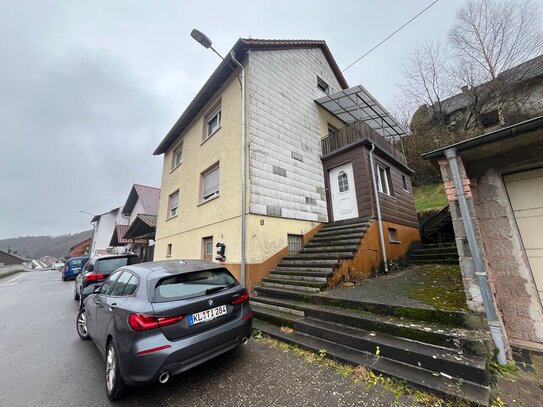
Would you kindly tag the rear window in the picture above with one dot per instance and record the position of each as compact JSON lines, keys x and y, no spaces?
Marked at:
{"x":77,"y":262}
{"x":193,"y":284}
{"x":112,"y":264}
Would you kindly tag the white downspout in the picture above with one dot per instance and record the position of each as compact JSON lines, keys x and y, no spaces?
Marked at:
{"x":378,"y":206}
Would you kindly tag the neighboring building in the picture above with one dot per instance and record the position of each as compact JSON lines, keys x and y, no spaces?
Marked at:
{"x":288,"y":199}
{"x":141,"y":209}
{"x":502,"y":175}
{"x":521,"y":89}
{"x":10,"y":259}
{"x":82,"y":248}
{"x":104,"y":225}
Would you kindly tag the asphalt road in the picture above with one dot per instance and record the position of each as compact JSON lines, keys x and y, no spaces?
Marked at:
{"x":44,"y":363}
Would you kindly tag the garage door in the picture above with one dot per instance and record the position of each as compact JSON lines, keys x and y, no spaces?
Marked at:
{"x":526,"y":194}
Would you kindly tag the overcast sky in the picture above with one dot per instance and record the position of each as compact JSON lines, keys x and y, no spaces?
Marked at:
{"x":89,"y":89}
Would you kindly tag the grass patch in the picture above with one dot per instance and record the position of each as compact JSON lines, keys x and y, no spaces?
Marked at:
{"x":362,"y":374}
{"x":429,"y":197}
{"x":439,"y":285}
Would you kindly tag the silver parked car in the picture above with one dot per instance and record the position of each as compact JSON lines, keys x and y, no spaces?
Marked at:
{"x":154,"y":320}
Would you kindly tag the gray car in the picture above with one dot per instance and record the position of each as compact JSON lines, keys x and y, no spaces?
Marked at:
{"x":154,"y":320}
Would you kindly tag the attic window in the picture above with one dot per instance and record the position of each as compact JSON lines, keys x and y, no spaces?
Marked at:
{"x":322,"y":85}
{"x":177,"y":156}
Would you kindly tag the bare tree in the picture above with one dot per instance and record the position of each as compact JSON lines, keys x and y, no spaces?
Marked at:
{"x":427,"y":78}
{"x":490,"y":40}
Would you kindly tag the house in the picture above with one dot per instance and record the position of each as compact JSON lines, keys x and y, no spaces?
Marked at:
{"x":141,"y":209}
{"x":82,"y":248}
{"x":501,"y":173}
{"x":520,"y":90}
{"x":103,"y":228}
{"x":292,"y":90}
{"x":10,"y":259}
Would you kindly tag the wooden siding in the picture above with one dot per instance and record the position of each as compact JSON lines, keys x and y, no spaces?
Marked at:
{"x":398,"y":208}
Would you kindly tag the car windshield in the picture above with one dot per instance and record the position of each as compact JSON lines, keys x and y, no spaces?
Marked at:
{"x":77,"y":262}
{"x":193,"y":284}
{"x":111,"y":264}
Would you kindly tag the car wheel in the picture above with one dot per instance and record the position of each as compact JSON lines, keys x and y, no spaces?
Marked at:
{"x":81,"y":325}
{"x":76,"y":295}
{"x":114,"y":382}
{"x":63,"y":277}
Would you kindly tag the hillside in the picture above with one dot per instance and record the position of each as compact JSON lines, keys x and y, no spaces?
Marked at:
{"x":31,"y":247}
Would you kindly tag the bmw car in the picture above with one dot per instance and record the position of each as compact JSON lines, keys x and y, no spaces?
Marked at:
{"x":154,"y":320}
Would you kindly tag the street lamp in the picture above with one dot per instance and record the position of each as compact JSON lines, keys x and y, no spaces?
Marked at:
{"x":204,"y":40}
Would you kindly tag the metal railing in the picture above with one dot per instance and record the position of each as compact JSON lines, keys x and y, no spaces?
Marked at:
{"x":355,"y":132}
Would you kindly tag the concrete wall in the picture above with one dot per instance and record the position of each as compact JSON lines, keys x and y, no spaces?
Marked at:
{"x":284,"y":123}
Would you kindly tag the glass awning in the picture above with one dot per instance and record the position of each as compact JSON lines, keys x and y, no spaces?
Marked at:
{"x":356,"y":103}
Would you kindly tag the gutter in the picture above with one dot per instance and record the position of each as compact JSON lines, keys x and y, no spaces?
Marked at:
{"x":480,"y":269}
{"x":378,"y":206}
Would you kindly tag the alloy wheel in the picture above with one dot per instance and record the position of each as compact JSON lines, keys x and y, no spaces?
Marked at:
{"x":110,"y":368}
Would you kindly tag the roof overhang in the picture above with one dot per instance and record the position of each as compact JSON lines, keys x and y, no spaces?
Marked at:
{"x":488,"y":138}
{"x":224,"y":71}
{"x":143,"y":227}
{"x":357,"y":104}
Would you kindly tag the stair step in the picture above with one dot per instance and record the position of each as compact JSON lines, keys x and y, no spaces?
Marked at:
{"x":358,"y":230}
{"x":307,"y":273}
{"x":333,"y":243}
{"x":281,"y":303}
{"x":255,"y":304}
{"x":337,"y":236}
{"x":275,"y":315}
{"x":309,"y":263}
{"x":282,"y":293}
{"x":438,"y":245}
{"x":424,"y":249}
{"x":293,"y":282}
{"x":289,"y":286}
{"x":468,"y":341}
{"x":351,"y":221}
{"x":415,"y":375}
{"x":329,"y":249}
{"x":300,"y":277}
{"x":312,"y":269}
{"x":332,"y":227}
{"x":415,"y":353}
{"x":319,"y":256}
{"x":417,"y":255}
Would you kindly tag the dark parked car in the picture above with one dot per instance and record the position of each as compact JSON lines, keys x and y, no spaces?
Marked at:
{"x":73,"y":267}
{"x":153,"y":320}
{"x":97,"y":269}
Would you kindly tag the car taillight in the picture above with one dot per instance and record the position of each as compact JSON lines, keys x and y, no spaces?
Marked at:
{"x":143,"y":322}
{"x":94,"y":277}
{"x":244,"y":297}
{"x":66,"y":267}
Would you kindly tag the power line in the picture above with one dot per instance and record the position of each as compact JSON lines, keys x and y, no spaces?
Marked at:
{"x":390,"y":35}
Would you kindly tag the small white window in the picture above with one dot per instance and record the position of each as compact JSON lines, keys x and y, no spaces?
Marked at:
{"x":383,"y":180}
{"x":343,"y":182}
{"x":210,"y":183}
{"x":173,"y":204}
{"x":213,"y":122}
{"x":177,"y":156}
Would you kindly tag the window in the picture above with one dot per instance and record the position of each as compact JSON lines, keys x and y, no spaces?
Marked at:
{"x":117,"y":291}
{"x":331,"y":129}
{"x":207,"y":248}
{"x":393,"y":235}
{"x":177,"y":156}
{"x":173,"y":203}
{"x":323,"y":86}
{"x":169,"y":250}
{"x":131,"y":286}
{"x":212,"y":122}
{"x":404,"y":180}
{"x":210,"y":183}
{"x":343,"y":182}
{"x":383,"y":180}
{"x":110,"y":283}
{"x":294,"y":244}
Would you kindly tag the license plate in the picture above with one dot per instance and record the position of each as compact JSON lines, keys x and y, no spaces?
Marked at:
{"x":207,"y":315}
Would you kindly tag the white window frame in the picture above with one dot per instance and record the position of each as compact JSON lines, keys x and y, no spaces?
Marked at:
{"x":216,"y":113}
{"x":173,"y":211}
{"x":177,"y":157}
{"x":383,"y":187}
{"x":215,"y":194}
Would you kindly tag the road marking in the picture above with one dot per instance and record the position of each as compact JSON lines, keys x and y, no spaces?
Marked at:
{"x":13,"y":279}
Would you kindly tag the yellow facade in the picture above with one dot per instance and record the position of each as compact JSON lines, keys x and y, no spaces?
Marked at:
{"x":325,"y":118}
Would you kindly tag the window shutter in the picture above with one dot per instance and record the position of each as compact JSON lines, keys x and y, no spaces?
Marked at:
{"x":211,"y":183}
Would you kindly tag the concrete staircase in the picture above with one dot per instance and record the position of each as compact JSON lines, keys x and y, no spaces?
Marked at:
{"x":309,"y":270}
{"x":435,"y":350}
{"x":443,"y":253}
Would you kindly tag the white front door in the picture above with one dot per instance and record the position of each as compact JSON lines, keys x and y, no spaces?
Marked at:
{"x":343,"y":193}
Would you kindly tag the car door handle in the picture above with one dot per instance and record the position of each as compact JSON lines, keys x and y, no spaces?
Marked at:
{"x":113,"y":306}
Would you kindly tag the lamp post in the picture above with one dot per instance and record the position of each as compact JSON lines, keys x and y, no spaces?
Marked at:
{"x":204,"y":40}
